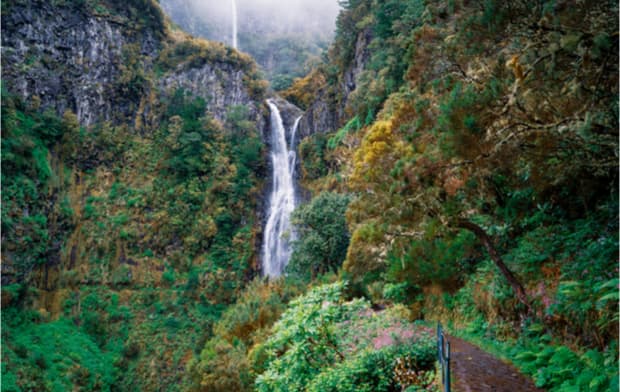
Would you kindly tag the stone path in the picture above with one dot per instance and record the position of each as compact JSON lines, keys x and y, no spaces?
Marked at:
{"x":474,"y":370}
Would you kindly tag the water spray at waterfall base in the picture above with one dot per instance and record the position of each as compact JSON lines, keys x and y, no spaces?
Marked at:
{"x":279,"y":232}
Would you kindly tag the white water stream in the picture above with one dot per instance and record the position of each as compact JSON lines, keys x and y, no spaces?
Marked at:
{"x":279,"y":232}
{"x":234,"y":23}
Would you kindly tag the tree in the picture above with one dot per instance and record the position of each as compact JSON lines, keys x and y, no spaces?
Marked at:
{"x":431,"y":208}
{"x":191,"y":137}
{"x":456,"y":147}
{"x":323,"y":233}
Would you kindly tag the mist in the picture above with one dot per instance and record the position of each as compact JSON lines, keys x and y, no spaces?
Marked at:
{"x":285,"y":37}
{"x":212,"y":19}
{"x":282,"y":15}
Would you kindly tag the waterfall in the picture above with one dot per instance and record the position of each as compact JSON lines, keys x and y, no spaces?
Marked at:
{"x":234,"y":23}
{"x":278,"y":231}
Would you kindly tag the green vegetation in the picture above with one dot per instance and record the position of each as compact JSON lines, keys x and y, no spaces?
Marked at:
{"x":225,"y":361}
{"x":473,"y":181}
{"x":324,"y":343}
{"x":313,"y":156}
{"x":48,"y":359}
{"x":125,"y":242}
{"x":104,"y":338}
{"x":353,"y":125}
{"x":553,"y":367}
{"x":484,"y":178}
{"x":109,"y":249}
{"x":134,"y":279}
{"x":323,"y":233}
{"x":33,"y":145}
{"x":570,"y":344}
{"x":302,"y":91}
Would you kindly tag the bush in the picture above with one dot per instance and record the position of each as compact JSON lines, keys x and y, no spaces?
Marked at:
{"x":324,"y":343}
{"x":59,"y":354}
{"x":370,"y":371}
{"x":241,"y":326}
{"x":312,"y":152}
{"x":400,"y":292}
{"x":323,"y":235}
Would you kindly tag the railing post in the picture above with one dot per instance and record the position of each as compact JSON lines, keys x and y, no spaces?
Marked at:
{"x":447,"y":381}
{"x":439,"y":342}
{"x":443,"y":355}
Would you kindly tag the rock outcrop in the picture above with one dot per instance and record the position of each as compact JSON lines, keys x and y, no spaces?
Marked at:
{"x":328,"y":111}
{"x":71,"y":59}
{"x":288,"y":111}
{"x":100,"y":64}
{"x":220,"y":84}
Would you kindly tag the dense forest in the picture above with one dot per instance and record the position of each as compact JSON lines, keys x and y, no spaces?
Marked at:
{"x":457,"y":163}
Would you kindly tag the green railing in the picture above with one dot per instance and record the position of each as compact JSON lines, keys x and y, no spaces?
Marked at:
{"x":443,"y":355}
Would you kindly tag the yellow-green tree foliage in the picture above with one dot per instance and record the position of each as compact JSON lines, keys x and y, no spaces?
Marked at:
{"x":374,"y":213}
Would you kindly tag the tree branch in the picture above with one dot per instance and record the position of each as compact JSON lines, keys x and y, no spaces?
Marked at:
{"x":497,"y":259}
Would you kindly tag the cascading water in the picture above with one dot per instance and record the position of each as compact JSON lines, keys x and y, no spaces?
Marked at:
{"x":278,"y":230}
{"x":234,"y":23}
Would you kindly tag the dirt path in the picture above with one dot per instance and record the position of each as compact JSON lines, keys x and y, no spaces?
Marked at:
{"x":474,"y":370}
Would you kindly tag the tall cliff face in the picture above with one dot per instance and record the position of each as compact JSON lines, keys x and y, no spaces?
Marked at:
{"x":329,"y":110}
{"x":70,"y":58}
{"x":221,"y":84}
{"x":99,"y":62}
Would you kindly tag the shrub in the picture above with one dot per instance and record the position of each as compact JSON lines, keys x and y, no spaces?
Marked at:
{"x":324,"y":343}
{"x":312,"y":152}
{"x":370,"y":371}
{"x":224,"y":361}
{"x":323,"y":233}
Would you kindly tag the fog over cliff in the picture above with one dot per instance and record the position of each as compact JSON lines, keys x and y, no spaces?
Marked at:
{"x":213,"y":19}
{"x":284,"y":36}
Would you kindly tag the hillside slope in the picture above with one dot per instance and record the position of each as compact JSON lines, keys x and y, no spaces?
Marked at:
{"x":479,"y":143}
{"x":132,"y":160}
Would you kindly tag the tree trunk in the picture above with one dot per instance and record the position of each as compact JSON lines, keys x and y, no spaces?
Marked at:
{"x":497,"y":259}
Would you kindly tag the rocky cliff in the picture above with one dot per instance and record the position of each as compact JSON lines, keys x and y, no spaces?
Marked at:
{"x":69,"y":57}
{"x":329,"y":110}
{"x":97,"y":62}
{"x":221,"y":84}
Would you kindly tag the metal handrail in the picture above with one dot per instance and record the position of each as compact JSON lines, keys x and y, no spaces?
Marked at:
{"x":443,"y":355}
